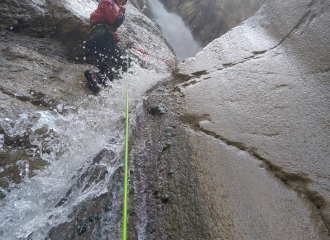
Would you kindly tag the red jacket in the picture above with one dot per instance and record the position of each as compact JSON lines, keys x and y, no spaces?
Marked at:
{"x":107,"y":11}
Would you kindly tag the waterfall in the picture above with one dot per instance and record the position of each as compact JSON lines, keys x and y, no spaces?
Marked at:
{"x":32,"y":207}
{"x":174,"y":30}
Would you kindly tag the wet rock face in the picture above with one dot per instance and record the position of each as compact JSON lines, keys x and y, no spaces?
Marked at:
{"x":41,"y":72}
{"x":246,"y":128}
{"x":260,"y":134}
{"x":234,"y":145}
{"x":31,"y":69}
{"x":40,"y":41}
{"x":31,"y":18}
{"x":139,"y":4}
{"x":165,"y":178}
{"x":47,"y":19}
{"x":210,"y":19}
{"x":94,"y":217}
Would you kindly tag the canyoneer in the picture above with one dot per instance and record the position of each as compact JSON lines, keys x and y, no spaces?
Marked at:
{"x":104,"y":44}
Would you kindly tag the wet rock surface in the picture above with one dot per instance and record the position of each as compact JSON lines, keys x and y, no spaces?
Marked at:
{"x":226,"y":187}
{"x":139,"y":4}
{"x":45,"y":105}
{"x":240,"y":149}
{"x":35,"y":76}
{"x":255,"y":104}
{"x":45,"y":72}
{"x":165,"y":177}
{"x":251,"y":136}
{"x":97,"y":216}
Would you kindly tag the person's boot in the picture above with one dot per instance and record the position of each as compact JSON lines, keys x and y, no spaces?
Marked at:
{"x":92,"y":81}
{"x":110,"y":76}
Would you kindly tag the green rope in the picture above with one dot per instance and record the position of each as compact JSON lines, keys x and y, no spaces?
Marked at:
{"x":126,"y":162}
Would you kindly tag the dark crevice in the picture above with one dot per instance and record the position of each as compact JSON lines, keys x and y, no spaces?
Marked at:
{"x":193,"y":119}
{"x":229,"y":65}
{"x":282,"y":85}
{"x":189,"y":83}
{"x":37,"y":99}
{"x":255,"y":53}
{"x":200,"y":73}
{"x":226,"y":65}
{"x":311,"y":3}
{"x":296,"y":182}
{"x":301,"y":21}
{"x":180,"y":78}
{"x":314,"y":15}
{"x":308,"y":16}
{"x":184,"y":77}
{"x":254,"y":56}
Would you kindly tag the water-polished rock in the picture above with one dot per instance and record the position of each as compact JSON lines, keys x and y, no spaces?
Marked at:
{"x":43,"y":95}
{"x":265,"y":140}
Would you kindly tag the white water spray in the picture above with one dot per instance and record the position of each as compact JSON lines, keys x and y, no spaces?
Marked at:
{"x":76,"y":137}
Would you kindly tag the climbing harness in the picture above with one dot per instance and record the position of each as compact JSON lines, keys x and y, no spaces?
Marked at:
{"x":107,"y":25}
{"x":145,"y":53}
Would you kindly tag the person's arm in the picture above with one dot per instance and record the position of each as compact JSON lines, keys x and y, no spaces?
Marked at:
{"x":119,"y":21}
{"x":115,"y":17}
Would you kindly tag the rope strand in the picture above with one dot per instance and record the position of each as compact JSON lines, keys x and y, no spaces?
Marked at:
{"x":145,"y":53}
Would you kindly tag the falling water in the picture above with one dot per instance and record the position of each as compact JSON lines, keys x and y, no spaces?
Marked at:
{"x":75,"y":136}
{"x":175,"y":30}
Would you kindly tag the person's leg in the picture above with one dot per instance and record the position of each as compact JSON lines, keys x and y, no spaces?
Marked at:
{"x":107,"y":54}
{"x":98,"y":46}
{"x":103,"y":65}
{"x":119,"y":60}
{"x":108,"y":63}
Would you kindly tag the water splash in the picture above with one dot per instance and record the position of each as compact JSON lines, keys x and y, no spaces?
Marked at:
{"x":73,"y":138}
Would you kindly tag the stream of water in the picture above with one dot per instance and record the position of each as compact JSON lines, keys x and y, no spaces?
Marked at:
{"x":174,"y":30}
{"x":76,"y":137}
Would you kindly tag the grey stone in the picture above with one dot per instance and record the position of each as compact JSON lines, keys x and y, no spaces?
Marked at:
{"x":164,"y":198}
{"x":168,"y":130}
{"x":156,"y":110}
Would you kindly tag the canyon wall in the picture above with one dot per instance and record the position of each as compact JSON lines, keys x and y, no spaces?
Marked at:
{"x":242,"y":151}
